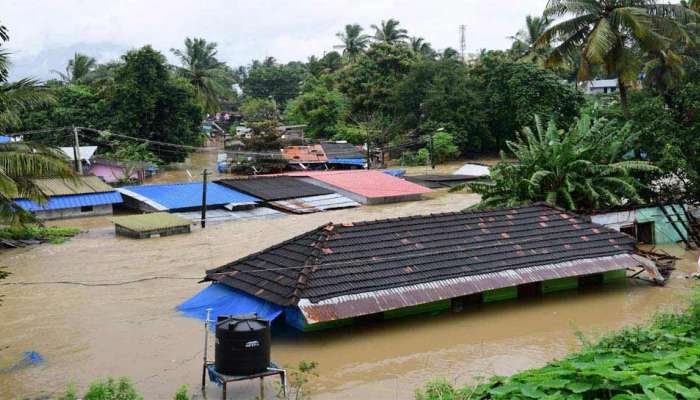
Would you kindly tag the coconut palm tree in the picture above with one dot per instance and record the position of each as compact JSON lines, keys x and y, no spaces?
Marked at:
{"x":524,"y":40}
{"x":353,"y":41}
{"x":77,"y":68}
{"x":581,"y":168}
{"x":420,"y":47}
{"x":609,"y":33}
{"x":17,"y":96}
{"x":206,"y":74}
{"x":389,"y":32}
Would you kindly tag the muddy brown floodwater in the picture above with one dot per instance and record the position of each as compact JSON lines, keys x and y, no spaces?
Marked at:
{"x":120,"y":319}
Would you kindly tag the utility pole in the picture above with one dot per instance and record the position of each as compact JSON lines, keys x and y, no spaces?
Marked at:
{"x":76,"y":152}
{"x":205,"y":173}
{"x":462,"y":41}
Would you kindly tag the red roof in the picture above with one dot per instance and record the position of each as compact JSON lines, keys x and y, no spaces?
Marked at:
{"x":365,"y":183}
{"x":313,"y":153}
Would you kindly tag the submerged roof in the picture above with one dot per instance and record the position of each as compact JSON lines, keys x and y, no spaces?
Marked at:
{"x":150,"y":222}
{"x":173,"y":196}
{"x":310,"y":204}
{"x":340,"y":150}
{"x":473,"y":170}
{"x":275,"y":187}
{"x":71,"y":201}
{"x":344,"y":270}
{"x":439,"y":181}
{"x":313,"y":153}
{"x":370,"y":184}
{"x":78,"y":185}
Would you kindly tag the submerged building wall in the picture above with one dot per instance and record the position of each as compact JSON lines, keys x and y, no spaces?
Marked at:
{"x":74,"y":212}
{"x":664,"y":232}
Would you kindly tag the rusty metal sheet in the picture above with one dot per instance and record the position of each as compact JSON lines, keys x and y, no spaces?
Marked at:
{"x":354,"y":305}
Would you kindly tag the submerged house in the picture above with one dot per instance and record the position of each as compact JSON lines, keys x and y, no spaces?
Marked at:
{"x":290,"y":194}
{"x":187,"y":196}
{"x":651,"y":224}
{"x":338,"y":274}
{"x":86,"y":196}
{"x":343,"y":154}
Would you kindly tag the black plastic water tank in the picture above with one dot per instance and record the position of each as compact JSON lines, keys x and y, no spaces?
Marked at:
{"x":242,"y":345}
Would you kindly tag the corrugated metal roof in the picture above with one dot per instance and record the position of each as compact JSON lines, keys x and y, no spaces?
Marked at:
{"x":174,"y":196}
{"x":81,"y":185}
{"x":473,"y":170}
{"x":150,"y":222}
{"x":389,"y":299}
{"x":312,"y":204}
{"x":439,"y":181}
{"x":370,"y":184}
{"x":339,"y":150}
{"x":221,"y":215}
{"x":339,"y":260}
{"x":274,"y":187}
{"x":86,"y":152}
{"x":71,"y":201}
{"x":305,"y":154}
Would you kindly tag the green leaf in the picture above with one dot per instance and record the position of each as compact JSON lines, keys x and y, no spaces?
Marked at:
{"x":579,"y":387}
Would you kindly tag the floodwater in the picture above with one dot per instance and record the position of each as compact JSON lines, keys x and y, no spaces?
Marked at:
{"x":104,"y":306}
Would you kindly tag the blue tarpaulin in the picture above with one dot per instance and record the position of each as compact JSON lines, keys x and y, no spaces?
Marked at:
{"x":224,"y":300}
{"x":5,"y":139}
{"x":71,"y":201}
{"x":395,"y":172}
{"x":347,"y":161}
{"x":29,"y":358}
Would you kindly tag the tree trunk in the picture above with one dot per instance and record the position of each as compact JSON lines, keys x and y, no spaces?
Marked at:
{"x":623,"y":98}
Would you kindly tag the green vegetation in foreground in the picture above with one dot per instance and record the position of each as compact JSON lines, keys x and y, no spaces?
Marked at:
{"x":55,"y":235}
{"x":658,"y":361}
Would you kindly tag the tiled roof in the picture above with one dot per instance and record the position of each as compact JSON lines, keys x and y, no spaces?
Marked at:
{"x":174,"y":196}
{"x":150,"y":222}
{"x":313,"y":153}
{"x":274,"y":188}
{"x":71,"y":201}
{"x":370,"y":184}
{"x":335,"y":150}
{"x":79,"y":185}
{"x":351,"y":260}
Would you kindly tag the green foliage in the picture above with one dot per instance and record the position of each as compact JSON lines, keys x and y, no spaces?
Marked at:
{"x":514,"y":92}
{"x":181,"y":394}
{"x":300,"y":377}
{"x":109,"y":389}
{"x":582,"y":168}
{"x":77,"y":69}
{"x":52,"y":234}
{"x":269,"y":79}
{"x":148,"y":103}
{"x":444,"y":147}
{"x":657,"y":361}
{"x":320,"y":108}
{"x":349,"y":133}
{"x":258,"y":109}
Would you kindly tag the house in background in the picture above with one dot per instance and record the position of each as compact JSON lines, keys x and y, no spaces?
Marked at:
{"x":342,"y":153}
{"x":112,"y":171}
{"x":86,"y":196}
{"x":600,"y":86}
{"x":651,"y":224}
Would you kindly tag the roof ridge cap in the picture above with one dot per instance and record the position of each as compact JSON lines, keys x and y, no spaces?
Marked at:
{"x":314,"y":258}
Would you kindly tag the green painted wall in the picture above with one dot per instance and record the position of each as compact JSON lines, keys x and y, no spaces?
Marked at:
{"x":663,"y":231}
{"x":428,"y":308}
{"x":557,"y":285}
{"x":500,"y":294}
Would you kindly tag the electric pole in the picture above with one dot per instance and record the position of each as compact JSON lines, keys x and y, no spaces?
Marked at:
{"x":462,"y":41}
{"x":205,"y":173}
{"x":76,"y":152}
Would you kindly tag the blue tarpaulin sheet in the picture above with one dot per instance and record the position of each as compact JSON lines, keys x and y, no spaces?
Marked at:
{"x":5,"y":139}
{"x":347,"y":161}
{"x":29,"y":358}
{"x":71,"y":201}
{"x":224,"y":300}
{"x":395,"y":172}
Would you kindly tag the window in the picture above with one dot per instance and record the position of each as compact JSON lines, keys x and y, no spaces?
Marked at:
{"x":86,"y":209}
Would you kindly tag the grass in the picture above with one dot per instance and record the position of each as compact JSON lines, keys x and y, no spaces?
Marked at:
{"x":659,"y":360}
{"x":50,"y":234}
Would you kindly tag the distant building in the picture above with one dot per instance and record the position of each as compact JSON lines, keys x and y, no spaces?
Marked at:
{"x":87,"y":196}
{"x":112,"y":171}
{"x":600,"y":86}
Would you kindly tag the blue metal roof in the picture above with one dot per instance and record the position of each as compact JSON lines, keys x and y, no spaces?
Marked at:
{"x":5,"y":139}
{"x":71,"y":201}
{"x":175,"y":196}
{"x":347,"y":161}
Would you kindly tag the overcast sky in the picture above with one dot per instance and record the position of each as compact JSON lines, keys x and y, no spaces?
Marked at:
{"x":45,"y":33}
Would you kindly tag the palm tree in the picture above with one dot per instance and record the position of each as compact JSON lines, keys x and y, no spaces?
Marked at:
{"x":389,"y":32}
{"x":77,"y":68}
{"x":353,"y":41}
{"x":524,"y":40}
{"x":607,"y":33}
{"x":20,"y":164}
{"x":206,"y":74}
{"x":17,"y":96}
{"x":581,"y":168}
{"x":420,"y":47}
